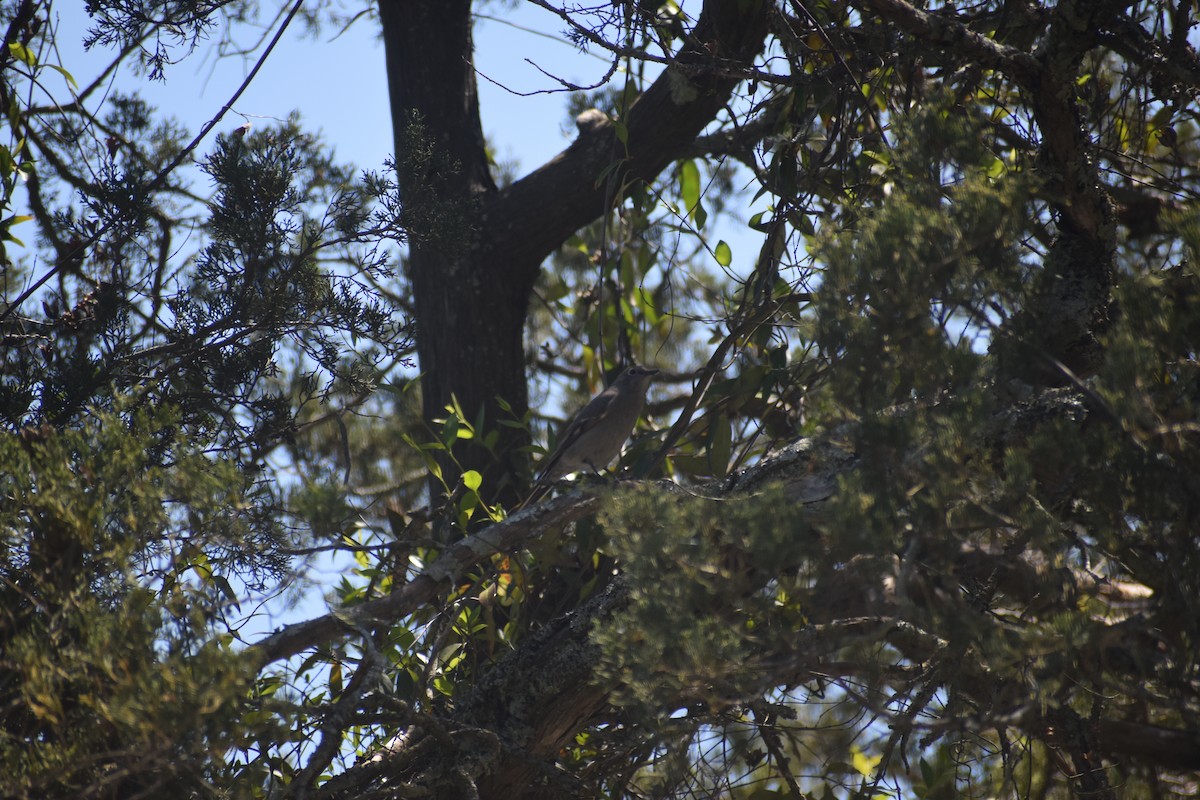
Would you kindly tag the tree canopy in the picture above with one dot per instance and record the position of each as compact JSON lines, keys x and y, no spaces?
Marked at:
{"x":912,"y":511}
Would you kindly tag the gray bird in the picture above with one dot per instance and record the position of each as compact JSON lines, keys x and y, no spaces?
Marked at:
{"x":595,"y":436}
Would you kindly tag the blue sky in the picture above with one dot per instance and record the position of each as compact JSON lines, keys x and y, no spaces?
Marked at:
{"x":338,"y":84}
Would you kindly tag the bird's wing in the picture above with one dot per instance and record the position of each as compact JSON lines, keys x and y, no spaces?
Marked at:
{"x":584,"y":421}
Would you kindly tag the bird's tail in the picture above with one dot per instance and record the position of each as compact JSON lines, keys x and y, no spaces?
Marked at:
{"x":539,"y":490}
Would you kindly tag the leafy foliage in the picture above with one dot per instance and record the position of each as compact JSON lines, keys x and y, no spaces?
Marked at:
{"x":919,"y":478}
{"x":123,"y":544}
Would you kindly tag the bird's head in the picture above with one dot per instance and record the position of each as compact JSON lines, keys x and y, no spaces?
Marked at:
{"x":637,"y":375}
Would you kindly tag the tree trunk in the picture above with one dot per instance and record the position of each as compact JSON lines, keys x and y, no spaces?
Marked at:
{"x":475,"y":251}
{"x":470,"y":301}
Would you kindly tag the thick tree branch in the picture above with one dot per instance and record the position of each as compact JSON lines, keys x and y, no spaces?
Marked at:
{"x":1174,"y":69}
{"x":534,"y":215}
{"x":542,"y":693}
{"x":949,"y":33}
{"x":515,"y":532}
{"x":1154,"y":744}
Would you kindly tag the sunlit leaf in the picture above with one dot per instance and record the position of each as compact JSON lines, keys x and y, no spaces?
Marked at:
{"x":723,"y":254}
{"x":22,"y":53}
{"x":689,"y":186}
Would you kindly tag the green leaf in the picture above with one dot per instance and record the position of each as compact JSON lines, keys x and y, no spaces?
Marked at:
{"x":626,"y":311}
{"x":472,"y":479}
{"x":723,"y":254}
{"x":70,"y":78}
{"x":645,"y":301}
{"x":863,"y":764}
{"x":335,"y":678}
{"x":720,"y":444}
{"x":689,"y":186}
{"x":449,"y":432}
{"x":6,"y":228}
{"x":226,"y":589}
{"x":690,"y":465}
{"x":608,"y":171}
{"x":430,"y":462}
{"x":201,"y":568}
{"x":466,"y":507}
{"x":757,"y":222}
{"x":22,"y":53}
{"x":1123,"y":134}
{"x":396,"y":389}
{"x":927,"y":773}
{"x":627,"y":269}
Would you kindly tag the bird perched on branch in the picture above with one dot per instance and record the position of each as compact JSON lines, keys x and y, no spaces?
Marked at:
{"x":595,"y":436}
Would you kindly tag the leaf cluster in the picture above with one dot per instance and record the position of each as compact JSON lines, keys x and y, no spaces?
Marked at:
{"x":122,"y":545}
